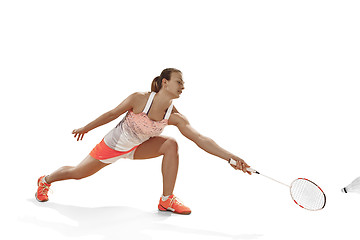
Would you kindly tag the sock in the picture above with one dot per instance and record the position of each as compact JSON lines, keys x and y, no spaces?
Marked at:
{"x":164,"y":198}
{"x":44,"y":181}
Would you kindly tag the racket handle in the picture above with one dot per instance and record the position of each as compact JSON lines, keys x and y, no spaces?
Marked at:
{"x":233,"y":162}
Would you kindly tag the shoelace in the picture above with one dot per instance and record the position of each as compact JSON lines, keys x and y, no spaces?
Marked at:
{"x":45,"y":188}
{"x":176,"y":199}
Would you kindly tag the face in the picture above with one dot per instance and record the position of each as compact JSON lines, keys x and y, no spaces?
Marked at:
{"x":175,"y":85}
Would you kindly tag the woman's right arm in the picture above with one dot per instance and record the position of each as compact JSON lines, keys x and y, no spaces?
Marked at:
{"x":107,"y":117}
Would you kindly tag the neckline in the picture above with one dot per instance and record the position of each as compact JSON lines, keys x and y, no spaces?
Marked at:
{"x":143,"y":113}
{"x":149,"y":104}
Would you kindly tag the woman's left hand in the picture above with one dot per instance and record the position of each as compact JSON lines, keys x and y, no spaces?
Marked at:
{"x":240,"y":165}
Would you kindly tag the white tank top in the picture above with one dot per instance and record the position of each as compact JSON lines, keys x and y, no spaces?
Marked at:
{"x":135,"y":129}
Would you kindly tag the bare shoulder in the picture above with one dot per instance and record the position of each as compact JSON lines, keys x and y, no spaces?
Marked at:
{"x":138,"y":97}
{"x":177,"y":119}
{"x":139,"y":100}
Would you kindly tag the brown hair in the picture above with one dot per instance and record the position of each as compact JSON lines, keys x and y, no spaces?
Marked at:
{"x":157,"y":82}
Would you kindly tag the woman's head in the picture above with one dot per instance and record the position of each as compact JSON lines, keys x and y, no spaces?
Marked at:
{"x":165,"y":76}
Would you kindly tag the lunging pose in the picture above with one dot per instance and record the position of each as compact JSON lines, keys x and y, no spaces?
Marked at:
{"x":137,"y":136}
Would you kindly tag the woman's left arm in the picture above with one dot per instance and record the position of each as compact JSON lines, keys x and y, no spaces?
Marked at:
{"x":205,"y":143}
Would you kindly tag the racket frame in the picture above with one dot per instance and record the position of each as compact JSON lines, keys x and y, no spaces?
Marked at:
{"x":233,"y":162}
{"x":313,"y":184}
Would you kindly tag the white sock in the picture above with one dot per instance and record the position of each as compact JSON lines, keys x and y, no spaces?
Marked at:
{"x":43,"y":180}
{"x":164,"y":198}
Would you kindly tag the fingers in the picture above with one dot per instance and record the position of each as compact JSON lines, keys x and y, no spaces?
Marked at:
{"x":75,"y":132}
{"x":79,"y":134}
{"x":248,"y":172}
{"x":242,"y":165}
{"x":246,"y":166}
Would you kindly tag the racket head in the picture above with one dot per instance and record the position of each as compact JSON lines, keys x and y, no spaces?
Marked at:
{"x":307,"y":194}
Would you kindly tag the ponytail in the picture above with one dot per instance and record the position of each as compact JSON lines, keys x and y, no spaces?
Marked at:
{"x":157,"y":82}
{"x":155,"y":85}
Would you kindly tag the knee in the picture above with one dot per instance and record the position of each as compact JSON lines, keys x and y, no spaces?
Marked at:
{"x":170,"y":146}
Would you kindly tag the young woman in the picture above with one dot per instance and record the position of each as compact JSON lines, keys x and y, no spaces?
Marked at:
{"x":137,"y":136}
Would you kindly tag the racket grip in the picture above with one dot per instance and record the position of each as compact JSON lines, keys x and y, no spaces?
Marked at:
{"x":233,"y":162}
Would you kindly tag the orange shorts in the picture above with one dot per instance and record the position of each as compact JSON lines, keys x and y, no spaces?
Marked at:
{"x":105,"y":154}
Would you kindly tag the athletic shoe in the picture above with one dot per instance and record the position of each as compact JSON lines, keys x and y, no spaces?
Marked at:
{"x":42,"y":191}
{"x":173,"y":204}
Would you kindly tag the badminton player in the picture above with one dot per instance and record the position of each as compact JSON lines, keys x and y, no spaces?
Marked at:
{"x":138,"y":136}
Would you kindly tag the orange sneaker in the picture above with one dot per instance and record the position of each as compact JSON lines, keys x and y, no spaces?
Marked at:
{"x":43,"y":188}
{"x":173,"y":204}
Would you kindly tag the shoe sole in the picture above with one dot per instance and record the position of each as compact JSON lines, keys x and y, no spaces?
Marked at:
{"x":162,"y":209}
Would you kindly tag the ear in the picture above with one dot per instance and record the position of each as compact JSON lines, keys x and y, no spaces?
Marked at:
{"x":164,"y":80}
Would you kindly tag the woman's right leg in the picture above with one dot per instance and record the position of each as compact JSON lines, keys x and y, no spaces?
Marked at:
{"x":84,"y":169}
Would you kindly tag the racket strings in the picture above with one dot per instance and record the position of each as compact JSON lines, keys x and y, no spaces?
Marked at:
{"x":307,"y":194}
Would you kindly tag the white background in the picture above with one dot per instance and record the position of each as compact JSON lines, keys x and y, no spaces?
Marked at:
{"x":275,"y":82}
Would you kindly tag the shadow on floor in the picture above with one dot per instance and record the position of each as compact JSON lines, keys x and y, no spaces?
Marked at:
{"x":116,"y":222}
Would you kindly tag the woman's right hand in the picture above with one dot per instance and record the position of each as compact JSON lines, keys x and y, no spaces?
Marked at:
{"x":79,"y":133}
{"x":240,"y":165}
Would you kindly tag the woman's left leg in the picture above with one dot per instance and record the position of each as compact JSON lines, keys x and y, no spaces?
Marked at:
{"x":166,"y":146}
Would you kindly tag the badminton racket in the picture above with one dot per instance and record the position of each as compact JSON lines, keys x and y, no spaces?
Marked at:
{"x":304,"y":192}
